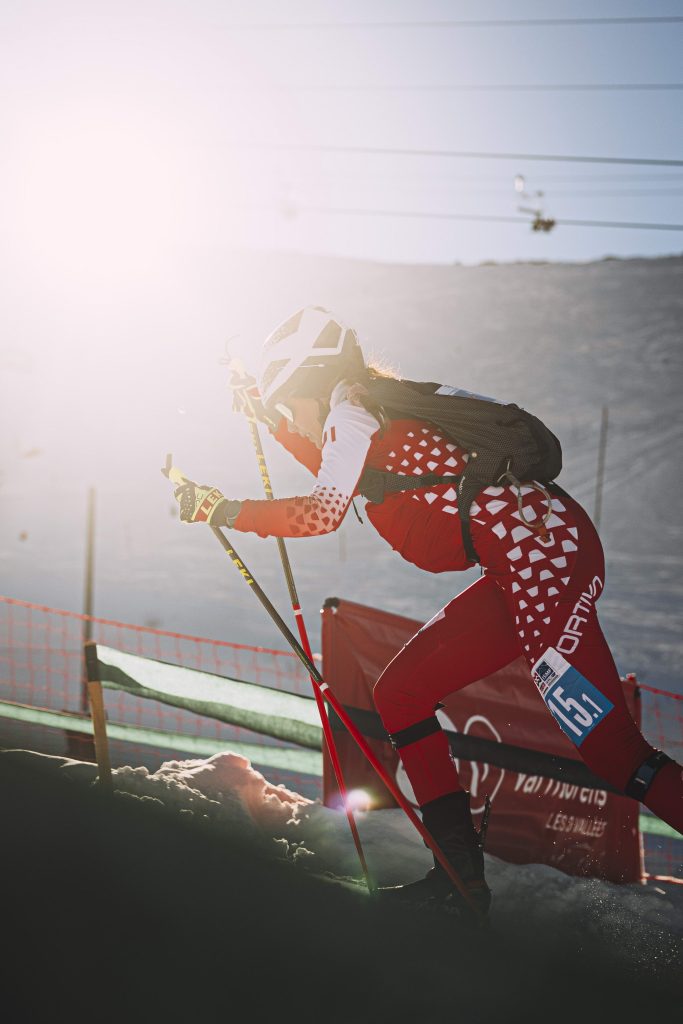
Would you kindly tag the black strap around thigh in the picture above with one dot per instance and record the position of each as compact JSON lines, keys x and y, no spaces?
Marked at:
{"x":413,"y":733}
{"x":643,"y":777}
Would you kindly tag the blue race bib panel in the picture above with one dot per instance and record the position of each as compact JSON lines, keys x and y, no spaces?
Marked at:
{"x":575,"y":704}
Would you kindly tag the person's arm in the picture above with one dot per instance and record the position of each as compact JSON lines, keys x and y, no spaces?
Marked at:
{"x":349,"y":430}
{"x":247,"y":400}
{"x":302,"y":448}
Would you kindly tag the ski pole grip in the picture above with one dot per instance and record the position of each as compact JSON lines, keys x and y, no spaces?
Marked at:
{"x":172,"y":472}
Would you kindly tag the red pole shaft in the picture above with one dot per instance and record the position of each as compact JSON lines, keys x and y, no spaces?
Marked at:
{"x":303,"y":634}
{"x":175,"y":475}
{"x":332,"y":749}
{"x":396,"y":793}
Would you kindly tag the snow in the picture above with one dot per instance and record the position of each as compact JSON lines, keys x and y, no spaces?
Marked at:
{"x":222,"y":788}
{"x":635,"y":923}
{"x":226,"y":786}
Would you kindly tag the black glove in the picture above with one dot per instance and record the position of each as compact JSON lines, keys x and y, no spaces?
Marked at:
{"x":200,"y":503}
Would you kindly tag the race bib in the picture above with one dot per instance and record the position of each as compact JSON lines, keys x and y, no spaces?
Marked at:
{"x":575,"y":704}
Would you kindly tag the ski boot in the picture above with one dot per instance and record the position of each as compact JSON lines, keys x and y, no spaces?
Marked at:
{"x":449,"y":820}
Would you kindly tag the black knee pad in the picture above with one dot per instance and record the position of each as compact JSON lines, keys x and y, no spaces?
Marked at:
{"x":643,"y":777}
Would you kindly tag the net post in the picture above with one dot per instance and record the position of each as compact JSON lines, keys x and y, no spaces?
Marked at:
{"x":98,"y":717}
{"x":88,"y":583}
{"x":80,"y":745}
{"x":600,"y":471}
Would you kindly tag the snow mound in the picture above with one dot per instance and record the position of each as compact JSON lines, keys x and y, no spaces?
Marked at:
{"x":222,"y":789}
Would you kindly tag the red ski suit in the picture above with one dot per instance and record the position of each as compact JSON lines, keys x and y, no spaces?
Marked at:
{"x":536,"y":596}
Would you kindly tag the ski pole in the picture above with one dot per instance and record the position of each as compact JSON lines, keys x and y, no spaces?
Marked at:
{"x":305,"y":643}
{"x":177,"y":477}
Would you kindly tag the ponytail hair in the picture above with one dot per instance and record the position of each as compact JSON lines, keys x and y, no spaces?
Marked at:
{"x":316,"y":382}
{"x":360,"y":394}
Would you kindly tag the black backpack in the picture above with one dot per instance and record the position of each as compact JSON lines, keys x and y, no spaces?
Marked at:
{"x":504,"y":443}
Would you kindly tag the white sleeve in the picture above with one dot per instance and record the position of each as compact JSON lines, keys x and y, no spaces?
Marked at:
{"x":347,"y":436}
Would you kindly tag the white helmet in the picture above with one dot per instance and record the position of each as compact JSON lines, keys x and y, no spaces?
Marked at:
{"x":305,"y":352}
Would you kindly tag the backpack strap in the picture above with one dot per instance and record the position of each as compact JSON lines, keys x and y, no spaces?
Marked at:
{"x":375,"y":484}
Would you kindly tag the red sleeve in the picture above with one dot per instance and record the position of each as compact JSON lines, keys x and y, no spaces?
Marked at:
{"x":307,"y":515}
{"x":303,"y":450}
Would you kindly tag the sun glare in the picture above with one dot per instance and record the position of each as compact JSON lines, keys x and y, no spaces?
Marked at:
{"x":99,"y":200}
{"x":358,"y":800}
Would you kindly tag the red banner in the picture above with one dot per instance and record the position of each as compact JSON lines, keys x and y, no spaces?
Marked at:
{"x":546,"y":807}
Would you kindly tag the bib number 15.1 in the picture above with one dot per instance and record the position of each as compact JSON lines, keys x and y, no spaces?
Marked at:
{"x":575,"y":704}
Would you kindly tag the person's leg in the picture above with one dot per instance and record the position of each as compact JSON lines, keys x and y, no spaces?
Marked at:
{"x":572,"y":665}
{"x":470,"y":638}
{"x":615,"y":749}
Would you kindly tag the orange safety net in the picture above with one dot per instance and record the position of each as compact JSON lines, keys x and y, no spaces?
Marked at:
{"x":41,"y":665}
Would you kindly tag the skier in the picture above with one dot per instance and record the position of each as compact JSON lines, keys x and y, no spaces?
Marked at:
{"x":542,"y":573}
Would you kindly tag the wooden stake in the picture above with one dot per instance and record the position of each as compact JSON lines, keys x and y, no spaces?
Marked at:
{"x":88,"y":583}
{"x":99,"y":721}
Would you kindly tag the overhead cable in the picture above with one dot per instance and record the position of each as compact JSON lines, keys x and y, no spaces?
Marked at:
{"x":559,"y":87}
{"x":453,"y":153}
{"x":340,"y":26}
{"x":425,"y":214}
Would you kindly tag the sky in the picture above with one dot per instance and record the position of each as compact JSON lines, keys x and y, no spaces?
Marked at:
{"x":135,"y":129}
